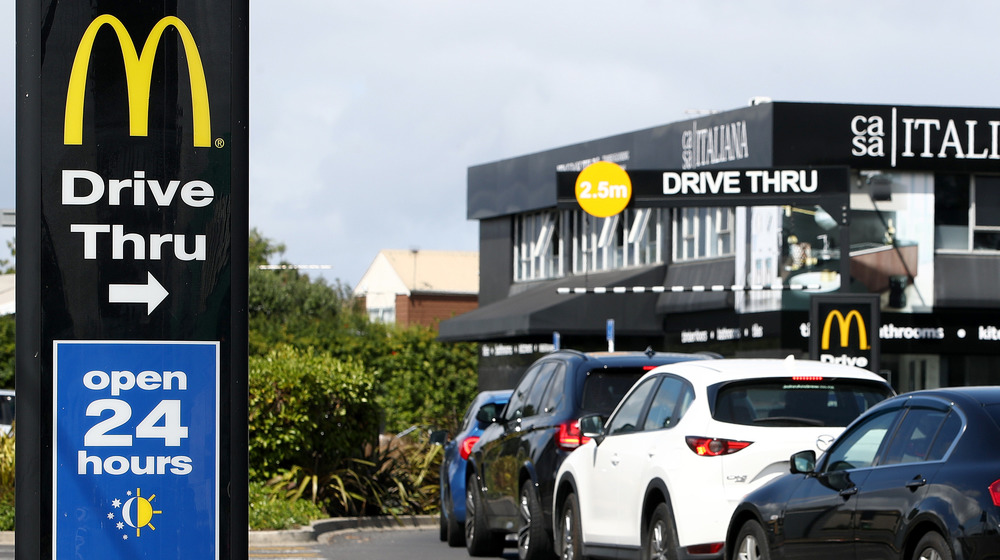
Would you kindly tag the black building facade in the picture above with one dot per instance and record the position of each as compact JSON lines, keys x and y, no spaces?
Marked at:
{"x":736,"y":221}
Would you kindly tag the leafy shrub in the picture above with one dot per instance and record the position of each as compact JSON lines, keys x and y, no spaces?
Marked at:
{"x":7,"y":351}
{"x":268,"y":511}
{"x":7,"y":482}
{"x":399,"y":476}
{"x":308,"y":410}
{"x":423,"y":381}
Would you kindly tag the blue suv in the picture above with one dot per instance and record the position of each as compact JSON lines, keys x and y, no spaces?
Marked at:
{"x":456,"y":452}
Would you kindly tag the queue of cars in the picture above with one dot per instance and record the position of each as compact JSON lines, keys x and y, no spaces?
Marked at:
{"x":512,"y":468}
{"x":742,"y":459}
{"x":662,"y":476}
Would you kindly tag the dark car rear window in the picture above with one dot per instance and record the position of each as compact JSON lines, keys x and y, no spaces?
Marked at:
{"x":604,"y":388}
{"x":786,"y":402}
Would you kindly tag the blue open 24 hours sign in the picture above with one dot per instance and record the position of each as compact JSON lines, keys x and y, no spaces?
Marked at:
{"x":136,"y":437}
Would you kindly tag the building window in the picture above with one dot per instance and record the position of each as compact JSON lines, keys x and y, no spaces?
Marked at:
{"x":382,"y":314}
{"x":967,"y":212}
{"x":537,"y":247}
{"x":702,"y":233}
{"x":630,"y":238}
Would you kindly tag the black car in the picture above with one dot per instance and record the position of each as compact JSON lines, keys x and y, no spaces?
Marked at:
{"x":916,"y":477}
{"x":511,"y":471}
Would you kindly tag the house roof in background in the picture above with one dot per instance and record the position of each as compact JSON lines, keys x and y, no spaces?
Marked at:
{"x":6,"y":294}
{"x":405,"y":271}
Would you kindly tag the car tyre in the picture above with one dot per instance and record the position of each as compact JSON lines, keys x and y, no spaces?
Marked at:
{"x":751,"y":543}
{"x":454,"y":532}
{"x":479,"y":540}
{"x":659,"y":540}
{"x":442,"y":526}
{"x":932,"y":546}
{"x":569,"y":540}
{"x":533,"y":542}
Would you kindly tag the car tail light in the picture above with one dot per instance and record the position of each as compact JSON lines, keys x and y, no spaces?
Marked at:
{"x":995,"y":492}
{"x":713,"y":447}
{"x":466,"y":448}
{"x":807,"y":378}
{"x":570,"y":437}
{"x":709,"y":548}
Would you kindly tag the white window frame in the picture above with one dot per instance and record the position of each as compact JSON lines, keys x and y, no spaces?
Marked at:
{"x":971,"y":227}
{"x":555,"y":243}
{"x":703,"y":233}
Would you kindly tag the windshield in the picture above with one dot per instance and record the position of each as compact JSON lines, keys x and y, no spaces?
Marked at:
{"x":785,"y":402}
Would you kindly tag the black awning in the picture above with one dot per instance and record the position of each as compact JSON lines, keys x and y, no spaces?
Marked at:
{"x":540,"y":309}
{"x":701,"y":273}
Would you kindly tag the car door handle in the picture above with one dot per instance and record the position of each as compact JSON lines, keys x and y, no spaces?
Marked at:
{"x":848,"y":492}
{"x":916,"y":483}
{"x":615,"y":460}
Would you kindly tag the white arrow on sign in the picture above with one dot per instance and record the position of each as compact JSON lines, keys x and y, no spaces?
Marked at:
{"x":151,"y":293}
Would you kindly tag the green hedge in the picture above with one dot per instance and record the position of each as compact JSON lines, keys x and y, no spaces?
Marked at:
{"x":307,"y":410}
{"x":424,"y":382}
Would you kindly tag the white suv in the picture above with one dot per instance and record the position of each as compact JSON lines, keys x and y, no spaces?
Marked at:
{"x":663,"y":475}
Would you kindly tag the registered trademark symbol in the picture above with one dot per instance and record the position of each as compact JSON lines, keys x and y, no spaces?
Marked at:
{"x":219,"y":142}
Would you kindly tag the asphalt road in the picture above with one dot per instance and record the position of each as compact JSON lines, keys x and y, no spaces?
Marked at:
{"x":365,"y":544}
{"x":370,"y":544}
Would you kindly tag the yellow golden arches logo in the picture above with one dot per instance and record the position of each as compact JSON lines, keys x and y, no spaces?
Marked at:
{"x":844,"y":323}
{"x":138,"y":75}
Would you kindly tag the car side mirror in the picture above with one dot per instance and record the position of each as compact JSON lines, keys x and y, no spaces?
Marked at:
{"x":439,"y":437}
{"x":592,"y":426}
{"x":803,"y":462}
{"x":487,"y":413}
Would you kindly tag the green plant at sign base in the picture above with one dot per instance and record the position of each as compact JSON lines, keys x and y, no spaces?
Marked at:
{"x":268,"y":511}
{"x":7,"y":482}
{"x":397,"y":477}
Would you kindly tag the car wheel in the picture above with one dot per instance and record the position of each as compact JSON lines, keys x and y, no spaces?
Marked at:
{"x":479,"y":540}
{"x":751,"y":543}
{"x":932,"y":546}
{"x":442,"y":526}
{"x":659,"y":541}
{"x":569,"y":541}
{"x":532,"y":538}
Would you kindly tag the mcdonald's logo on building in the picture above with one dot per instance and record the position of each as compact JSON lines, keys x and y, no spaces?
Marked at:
{"x":844,"y":329}
{"x":138,"y":75}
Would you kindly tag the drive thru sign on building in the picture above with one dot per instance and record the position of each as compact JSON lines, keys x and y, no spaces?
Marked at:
{"x":132,"y":279}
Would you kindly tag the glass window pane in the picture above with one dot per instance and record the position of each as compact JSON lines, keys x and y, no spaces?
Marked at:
{"x":664,"y":404}
{"x":947,"y":435}
{"x":986,"y":240}
{"x":951,"y":200}
{"x":987,"y":200}
{"x":516,"y":403}
{"x":912,"y":441}
{"x":626,"y":418}
{"x":531,"y":406}
{"x":859,"y":448}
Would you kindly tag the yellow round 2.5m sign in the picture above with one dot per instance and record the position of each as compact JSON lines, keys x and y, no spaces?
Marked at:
{"x":603,"y":189}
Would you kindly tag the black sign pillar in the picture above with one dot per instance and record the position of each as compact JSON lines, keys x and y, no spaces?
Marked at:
{"x":132,"y":198}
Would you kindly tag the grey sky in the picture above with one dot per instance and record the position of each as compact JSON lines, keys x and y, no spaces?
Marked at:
{"x":366,"y":115}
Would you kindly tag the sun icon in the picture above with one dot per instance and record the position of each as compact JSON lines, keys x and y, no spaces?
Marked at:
{"x":138,"y":512}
